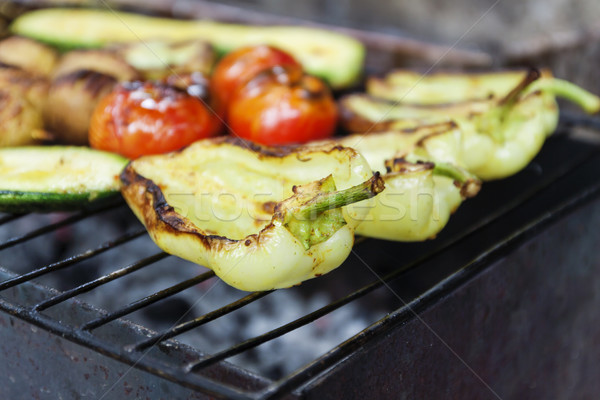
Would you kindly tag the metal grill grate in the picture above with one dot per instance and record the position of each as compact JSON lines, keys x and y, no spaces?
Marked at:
{"x":431,"y":260}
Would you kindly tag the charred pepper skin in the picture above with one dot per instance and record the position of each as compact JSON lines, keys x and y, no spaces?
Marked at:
{"x":503,"y":118}
{"x":292,"y":220}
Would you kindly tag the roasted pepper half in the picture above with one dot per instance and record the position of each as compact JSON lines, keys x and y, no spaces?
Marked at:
{"x":419,"y":197}
{"x":501,"y":128}
{"x":260,"y":217}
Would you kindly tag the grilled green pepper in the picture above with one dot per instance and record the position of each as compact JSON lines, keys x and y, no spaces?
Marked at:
{"x":409,"y":87}
{"x":412,"y":87}
{"x":332,"y":56}
{"x":419,"y":197}
{"x":260,"y":217}
{"x":418,"y":200}
{"x":501,"y":128}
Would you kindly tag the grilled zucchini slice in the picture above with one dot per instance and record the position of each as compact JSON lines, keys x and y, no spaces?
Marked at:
{"x":332,"y":56}
{"x":56,"y":178}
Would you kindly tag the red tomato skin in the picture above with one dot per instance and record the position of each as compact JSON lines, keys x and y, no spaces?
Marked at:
{"x":275,"y":113}
{"x":145,"y":118}
{"x":240,"y":66}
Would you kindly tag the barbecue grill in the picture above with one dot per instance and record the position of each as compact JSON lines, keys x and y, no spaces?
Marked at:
{"x":502,"y":304}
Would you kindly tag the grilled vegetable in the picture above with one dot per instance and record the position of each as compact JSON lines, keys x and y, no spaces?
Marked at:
{"x":419,"y":197}
{"x":444,"y":87}
{"x":418,"y":200}
{"x":498,"y":87}
{"x":402,"y":137}
{"x":54,"y":178}
{"x":21,"y":97}
{"x":334,"y":57}
{"x":242,"y":65}
{"x":71,"y":101}
{"x":372,"y":112}
{"x":104,"y":61}
{"x":365,"y":113}
{"x":80,"y":80}
{"x":143,"y":118}
{"x":498,"y":136}
{"x":28,"y":55}
{"x":280,"y":107}
{"x":260,"y":217}
{"x":477,"y":145}
{"x":157,"y":59}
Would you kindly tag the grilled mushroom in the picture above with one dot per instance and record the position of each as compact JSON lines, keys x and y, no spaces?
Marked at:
{"x":28,"y":54}
{"x":80,"y":80}
{"x":21,"y":97}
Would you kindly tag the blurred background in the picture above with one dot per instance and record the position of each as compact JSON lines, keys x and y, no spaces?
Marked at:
{"x":483,"y":22}
{"x":562,"y":35}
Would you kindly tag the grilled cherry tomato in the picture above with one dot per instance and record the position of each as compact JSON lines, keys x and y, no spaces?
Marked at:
{"x":143,"y":118}
{"x":240,"y":66}
{"x":280,"y":108}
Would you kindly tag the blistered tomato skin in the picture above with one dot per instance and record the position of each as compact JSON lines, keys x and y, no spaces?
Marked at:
{"x":138,"y":119}
{"x":274,"y":112}
{"x":240,"y":66}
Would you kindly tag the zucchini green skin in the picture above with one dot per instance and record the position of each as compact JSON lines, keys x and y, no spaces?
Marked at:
{"x":23,"y":202}
{"x":57,"y":178}
{"x":336,"y":58}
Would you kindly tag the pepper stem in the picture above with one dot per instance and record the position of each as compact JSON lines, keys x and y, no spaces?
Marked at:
{"x":313,"y":214}
{"x":335,"y":199}
{"x":589,"y":102}
{"x":469,"y":184}
{"x":492,"y":121}
{"x":512,"y":96}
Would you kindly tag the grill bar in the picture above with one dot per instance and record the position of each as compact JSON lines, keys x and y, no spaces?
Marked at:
{"x":574,"y":119}
{"x":86,"y":287}
{"x":275,"y":333}
{"x":10,"y":217}
{"x":153,"y":298}
{"x":71,"y":260}
{"x":52,"y":227}
{"x":186,"y":326}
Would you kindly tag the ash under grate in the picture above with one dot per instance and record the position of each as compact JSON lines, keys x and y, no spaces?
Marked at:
{"x":274,"y":359}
